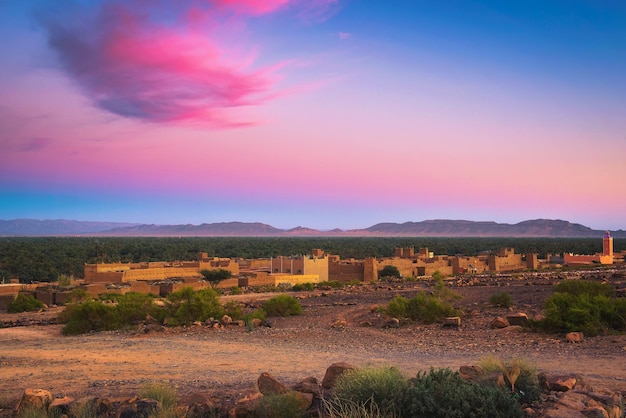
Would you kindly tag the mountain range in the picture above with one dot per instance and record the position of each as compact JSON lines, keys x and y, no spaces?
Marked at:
{"x":549,"y":228}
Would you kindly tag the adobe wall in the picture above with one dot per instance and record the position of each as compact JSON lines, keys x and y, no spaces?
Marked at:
{"x":344,"y":271}
{"x":317,"y":267}
{"x":160,"y":273}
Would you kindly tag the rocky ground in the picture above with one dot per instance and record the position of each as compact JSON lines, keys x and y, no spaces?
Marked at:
{"x":336,"y":326}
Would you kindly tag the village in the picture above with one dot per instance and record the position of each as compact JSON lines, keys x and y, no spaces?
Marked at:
{"x":163,"y":278}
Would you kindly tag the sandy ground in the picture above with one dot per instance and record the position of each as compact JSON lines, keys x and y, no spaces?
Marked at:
{"x":227,"y":362}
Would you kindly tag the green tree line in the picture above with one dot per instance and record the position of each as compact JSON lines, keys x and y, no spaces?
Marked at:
{"x":45,"y":258}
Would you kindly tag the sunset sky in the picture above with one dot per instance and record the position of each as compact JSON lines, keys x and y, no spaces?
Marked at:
{"x":320,"y":113}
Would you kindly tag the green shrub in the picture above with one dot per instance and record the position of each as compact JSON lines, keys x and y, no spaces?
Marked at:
{"x":422,"y":307}
{"x":580,"y":287}
{"x":349,"y":409}
{"x":378,"y":386}
{"x":502,"y":300}
{"x":161,"y":392}
{"x":133,"y":307}
{"x":302,"y":286}
{"x":236,"y":290}
{"x":286,"y":405}
{"x":389,"y":271}
{"x":589,"y":307}
{"x":443,"y":292}
{"x":282,"y":305}
{"x":187,"y":306}
{"x":334,"y":284}
{"x":234,"y":310}
{"x":24,"y":303}
{"x":443,"y":393}
{"x":88,"y":316}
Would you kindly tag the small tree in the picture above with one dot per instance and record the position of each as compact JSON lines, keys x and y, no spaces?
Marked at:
{"x":389,"y":271}
{"x":216,"y":276}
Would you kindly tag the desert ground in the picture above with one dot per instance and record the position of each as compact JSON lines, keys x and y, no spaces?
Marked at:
{"x":336,"y":326}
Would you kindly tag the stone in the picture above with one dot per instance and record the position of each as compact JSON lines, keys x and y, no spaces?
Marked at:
{"x":499,"y":323}
{"x":227,"y":320}
{"x":93,"y":406}
{"x":333,"y":372}
{"x":256,"y":322}
{"x":452,"y":321}
{"x":519,"y":318}
{"x":574,"y":337}
{"x":60,"y":406}
{"x":268,"y":385}
{"x":561,"y":383}
{"x":338,"y":323}
{"x":595,"y":412}
{"x":509,"y":329}
{"x":35,"y":399}
{"x":147,"y":407}
{"x":308,"y":385}
{"x":392,"y":323}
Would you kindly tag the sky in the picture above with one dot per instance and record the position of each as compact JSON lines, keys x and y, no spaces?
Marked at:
{"x":316,"y":113}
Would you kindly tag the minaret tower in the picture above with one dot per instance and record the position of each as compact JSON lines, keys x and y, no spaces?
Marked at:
{"x":607,"y":244}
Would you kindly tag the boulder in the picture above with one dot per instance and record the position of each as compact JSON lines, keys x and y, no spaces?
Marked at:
{"x":452,"y":322}
{"x":227,"y":320}
{"x":93,"y":406}
{"x":519,"y":318}
{"x":308,"y":385}
{"x":392,"y":323}
{"x":256,"y":322}
{"x":34,"y":399}
{"x":60,"y":406}
{"x":338,"y":324}
{"x":499,"y":323}
{"x":268,"y":385}
{"x":574,"y":337}
{"x":333,"y":372}
{"x":471,"y":373}
{"x":560,"y":383}
{"x":595,"y":412}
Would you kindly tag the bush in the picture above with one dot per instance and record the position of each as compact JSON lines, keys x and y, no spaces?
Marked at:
{"x":282,"y":305}
{"x":24,"y":303}
{"x":88,"y":316}
{"x":520,"y":376}
{"x":367,"y":386}
{"x":502,"y":300}
{"x":236,"y":290}
{"x":589,"y":307}
{"x":187,"y":306}
{"x":286,"y":405}
{"x":133,"y":307}
{"x":161,"y":392}
{"x":389,"y":271}
{"x":302,"y":286}
{"x":234,"y":310}
{"x":422,"y":307}
{"x":443,"y":393}
{"x":333,"y":284}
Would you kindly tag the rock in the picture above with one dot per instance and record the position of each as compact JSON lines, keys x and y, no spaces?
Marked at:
{"x":452,"y":321}
{"x":520,"y":319}
{"x":392,"y":323}
{"x":595,"y":412}
{"x":147,"y":407}
{"x":256,"y":322}
{"x":374,"y":308}
{"x":305,"y":400}
{"x":339,"y":324}
{"x":333,"y":372}
{"x":227,"y":320}
{"x":561,"y":383}
{"x":60,"y":406}
{"x":93,"y":406}
{"x":499,"y":323}
{"x":509,"y":329}
{"x":308,"y":385}
{"x":574,"y":337}
{"x":268,"y":385}
{"x":34,"y":399}
{"x":365,"y":324}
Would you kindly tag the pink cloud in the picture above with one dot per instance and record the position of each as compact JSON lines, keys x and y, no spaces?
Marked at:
{"x":132,"y":66}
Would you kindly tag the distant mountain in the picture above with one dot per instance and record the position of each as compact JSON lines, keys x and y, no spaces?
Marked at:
{"x":222,"y":229}
{"x":458,"y":228}
{"x":25,"y":227}
{"x":430,"y":228}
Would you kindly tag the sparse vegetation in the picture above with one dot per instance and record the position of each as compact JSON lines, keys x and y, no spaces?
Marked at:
{"x":370,"y":388}
{"x":187,"y":306}
{"x":161,"y":392}
{"x":302,"y":287}
{"x":24,"y":303}
{"x":216,"y":276}
{"x":234,"y":309}
{"x":520,"y":377}
{"x":282,"y":305}
{"x":333,"y":284}
{"x":285,"y":405}
{"x":443,"y":393}
{"x":501,"y":299}
{"x":579,"y":305}
{"x":423,"y":307}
